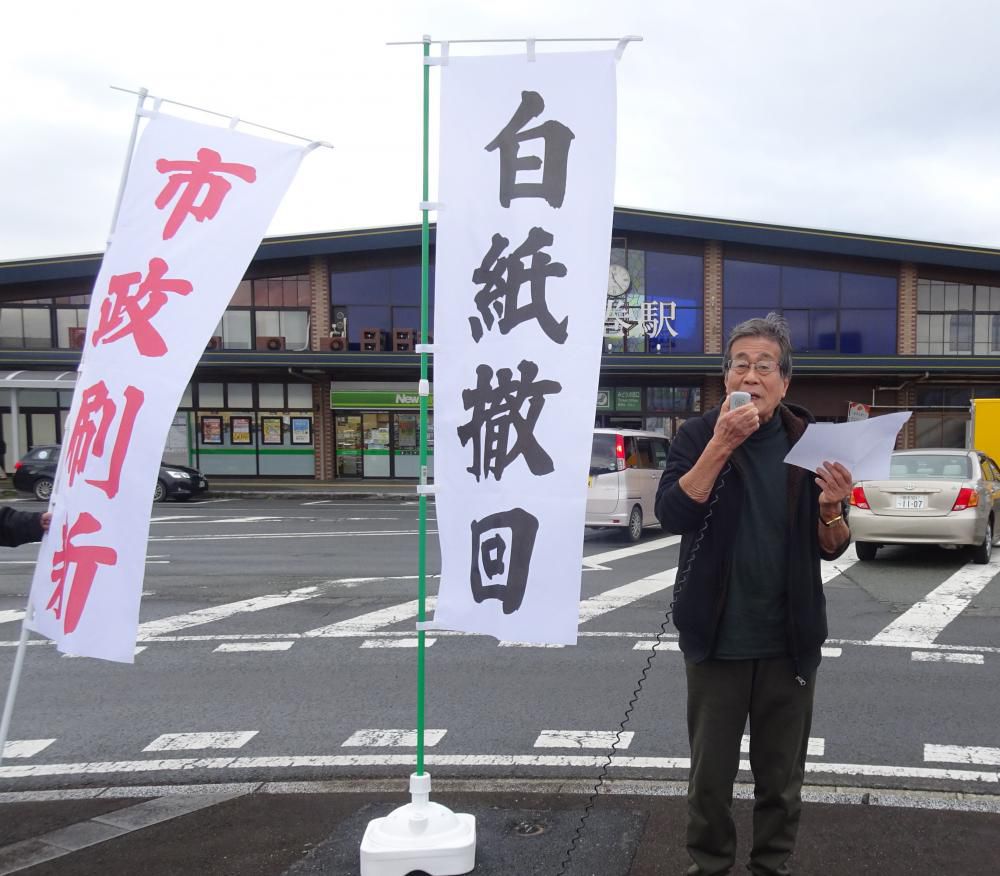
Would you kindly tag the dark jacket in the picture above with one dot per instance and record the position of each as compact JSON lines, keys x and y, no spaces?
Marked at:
{"x":19,"y":527}
{"x":701,"y":596}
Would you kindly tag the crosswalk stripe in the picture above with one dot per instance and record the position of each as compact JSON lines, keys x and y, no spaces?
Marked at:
{"x":815,"y":747}
{"x":923,"y":622}
{"x":25,"y":747}
{"x":971,"y":754}
{"x":391,"y":738}
{"x":617,"y":597}
{"x":584,"y":739}
{"x":201,"y":741}
{"x":368,"y":623}
{"x":8,"y":617}
{"x":945,"y":657}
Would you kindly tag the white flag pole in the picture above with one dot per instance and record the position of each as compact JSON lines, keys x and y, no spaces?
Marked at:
{"x":15,"y":677}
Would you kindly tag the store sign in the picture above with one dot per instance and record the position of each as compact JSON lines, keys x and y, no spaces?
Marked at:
{"x":628,"y":399}
{"x":523,"y":246}
{"x":604,"y":399}
{"x":650,"y":318}
{"x":376,"y":399}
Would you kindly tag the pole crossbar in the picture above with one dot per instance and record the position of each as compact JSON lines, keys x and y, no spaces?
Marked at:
{"x":233,"y":118}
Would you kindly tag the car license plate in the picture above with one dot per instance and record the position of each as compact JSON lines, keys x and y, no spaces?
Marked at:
{"x":911,"y":503}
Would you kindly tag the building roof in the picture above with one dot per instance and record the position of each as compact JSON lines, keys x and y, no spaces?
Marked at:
{"x":626,"y":220}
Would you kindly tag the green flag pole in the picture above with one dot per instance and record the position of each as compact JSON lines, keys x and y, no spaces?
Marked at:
{"x":425,"y":250}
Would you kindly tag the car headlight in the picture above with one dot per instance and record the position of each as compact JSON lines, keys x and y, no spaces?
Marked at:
{"x":178,"y":474}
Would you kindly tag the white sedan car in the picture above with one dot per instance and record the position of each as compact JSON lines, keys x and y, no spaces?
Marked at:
{"x":932,"y":496}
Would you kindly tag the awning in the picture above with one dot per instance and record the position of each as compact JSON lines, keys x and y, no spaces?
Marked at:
{"x":38,"y":380}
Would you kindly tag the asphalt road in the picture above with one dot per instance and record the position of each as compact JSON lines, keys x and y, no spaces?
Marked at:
{"x":277,"y":644}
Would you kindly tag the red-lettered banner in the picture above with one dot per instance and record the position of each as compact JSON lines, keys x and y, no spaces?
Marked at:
{"x":196,"y":204}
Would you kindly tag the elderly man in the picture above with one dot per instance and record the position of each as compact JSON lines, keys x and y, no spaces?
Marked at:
{"x":750,"y":608}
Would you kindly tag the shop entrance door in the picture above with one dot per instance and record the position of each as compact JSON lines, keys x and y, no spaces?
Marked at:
{"x":348,"y":427}
{"x":375,"y":456}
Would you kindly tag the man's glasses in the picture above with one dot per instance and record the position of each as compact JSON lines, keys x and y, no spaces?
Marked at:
{"x":742,"y":366}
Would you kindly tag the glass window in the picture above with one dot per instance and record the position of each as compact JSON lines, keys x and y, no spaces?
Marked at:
{"x":210,"y":395}
{"x":866,"y":290}
{"x":752,"y":284}
{"x":240,"y":395}
{"x":271,"y":395}
{"x":267,"y":323}
{"x":957,"y":318}
{"x":602,"y":454}
{"x":808,"y":287}
{"x":868,"y":331}
{"x":236,"y":329}
{"x":362,"y":317}
{"x":300,"y":396}
{"x":361,"y":287}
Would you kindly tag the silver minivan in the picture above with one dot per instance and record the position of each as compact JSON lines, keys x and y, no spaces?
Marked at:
{"x":625,"y":470}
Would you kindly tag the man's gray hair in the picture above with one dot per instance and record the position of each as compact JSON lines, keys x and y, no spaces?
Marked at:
{"x":774,"y":327}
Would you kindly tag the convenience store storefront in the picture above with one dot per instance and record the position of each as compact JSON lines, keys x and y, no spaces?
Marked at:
{"x":377,"y":432}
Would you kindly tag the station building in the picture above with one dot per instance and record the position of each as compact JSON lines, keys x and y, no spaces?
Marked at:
{"x":311,"y":373}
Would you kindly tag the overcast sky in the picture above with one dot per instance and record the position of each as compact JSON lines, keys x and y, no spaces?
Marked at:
{"x":871,"y":116}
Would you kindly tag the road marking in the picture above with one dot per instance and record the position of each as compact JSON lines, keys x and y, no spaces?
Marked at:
{"x":503,"y":643}
{"x":923,"y":622}
{"x":945,"y":657}
{"x":137,"y":650}
{"x":66,"y":840}
{"x":391,"y":738}
{"x":200,"y":616}
{"x":235,"y":536}
{"x":237,"y":647}
{"x":584,"y":739}
{"x":25,"y":747}
{"x":618,"y":597}
{"x":8,"y":617}
{"x":397,"y":643}
{"x":598,"y":560}
{"x":827,"y":651}
{"x":364,"y":624}
{"x":815,"y":747}
{"x":350,"y":762}
{"x":664,"y":645}
{"x":971,"y":754}
{"x":830,"y":569}
{"x":200,"y":741}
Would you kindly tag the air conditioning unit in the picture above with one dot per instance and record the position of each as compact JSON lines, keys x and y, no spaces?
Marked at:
{"x":77,"y":338}
{"x":372,"y":340}
{"x":402,"y":340}
{"x":338,"y":345}
{"x":270,"y":342}
{"x":214,"y":343}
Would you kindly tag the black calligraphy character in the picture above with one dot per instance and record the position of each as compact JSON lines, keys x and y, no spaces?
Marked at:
{"x":496,"y":413}
{"x":502,"y":278}
{"x":491,"y":537}
{"x":557,"y":139}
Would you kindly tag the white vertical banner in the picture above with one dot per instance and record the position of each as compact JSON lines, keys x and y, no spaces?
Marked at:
{"x":526,"y":198}
{"x":196,"y":204}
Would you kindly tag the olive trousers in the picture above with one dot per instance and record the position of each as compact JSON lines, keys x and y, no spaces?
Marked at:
{"x":722,"y":696}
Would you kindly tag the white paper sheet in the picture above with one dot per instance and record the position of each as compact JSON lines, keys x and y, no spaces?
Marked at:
{"x":863,"y":446}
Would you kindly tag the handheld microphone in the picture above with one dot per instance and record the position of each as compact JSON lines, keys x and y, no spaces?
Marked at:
{"x":738,"y":399}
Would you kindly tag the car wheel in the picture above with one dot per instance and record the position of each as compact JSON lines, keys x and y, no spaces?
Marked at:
{"x":634,"y":529}
{"x":43,"y":489}
{"x":981,"y":553}
{"x":160,"y":492}
{"x":865,"y":550}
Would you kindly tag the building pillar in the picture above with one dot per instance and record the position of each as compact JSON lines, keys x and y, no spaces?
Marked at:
{"x":711,"y":392}
{"x":713,"y":296}
{"x":906,"y":311}
{"x":323,"y":433}
{"x":319,"y":306}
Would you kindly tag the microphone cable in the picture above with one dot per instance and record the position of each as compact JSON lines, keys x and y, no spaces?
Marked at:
{"x":679,"y":584}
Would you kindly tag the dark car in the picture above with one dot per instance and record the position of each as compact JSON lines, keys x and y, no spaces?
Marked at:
{"x":36,"y":471}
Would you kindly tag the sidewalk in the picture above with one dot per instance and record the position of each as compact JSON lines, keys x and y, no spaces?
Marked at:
{"x":523,"y":829}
